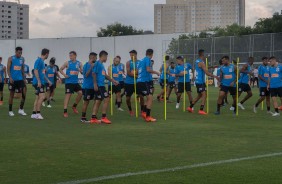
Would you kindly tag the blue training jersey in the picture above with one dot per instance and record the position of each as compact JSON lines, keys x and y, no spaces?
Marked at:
{"x":201,"y":76}
{"x":275,"y":74}
{"x":162,"y":76}
{"x":263,"y":71}
{"x":184,"y":69}
{"x":39,"y":65}
{"x":26,"y":69}
{"x":100,"y":71}
{"x":228,"y":75}
{"x":244,"y":77}
{"x":2,"y":73}
{"x":87,"y":80}
{"x":172,"y":73}
{"x":50,"y":74}
{"x":143,"y":75}
{"x":115,"y":73}
{"x":73,"y":72}
{"x":16,"y":68}
{"x":133,"y":65}
{"x":120,"y":72}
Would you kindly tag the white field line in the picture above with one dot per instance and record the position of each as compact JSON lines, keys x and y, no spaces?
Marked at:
{"x":102,"y":178}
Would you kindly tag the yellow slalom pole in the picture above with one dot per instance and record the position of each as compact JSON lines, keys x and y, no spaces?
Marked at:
{"x":184,"y":96}
{"x":262,"y":105}
{"x":165,"y":88}
{"x":135,"y":88}
{"x":237,"y":86}
{"x":207,"y":81}
{"x":111,"y":66}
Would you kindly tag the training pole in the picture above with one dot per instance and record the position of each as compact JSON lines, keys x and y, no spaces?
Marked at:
{"x":184,"y":97}
{"x":135,"y":88}
{"x":207,"y":81}
{"x":237,"y":88}
{"x":262,"y":105}
{"x":112,"y":108}
{"x":165,"y":88}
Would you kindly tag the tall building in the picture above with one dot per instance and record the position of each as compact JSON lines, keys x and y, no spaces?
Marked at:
{"x":186,"y":16}
{"x":14,"y":20}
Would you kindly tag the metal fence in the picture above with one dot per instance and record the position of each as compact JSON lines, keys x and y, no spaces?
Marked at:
{"x":240,"y":47}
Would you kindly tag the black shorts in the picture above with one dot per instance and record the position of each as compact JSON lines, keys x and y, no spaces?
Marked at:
{"x":129,"y":90}
{"x":151,"y":84}
{"x":116,"y":89}
{"x":71,"y":88}
{"x":102,"y":93}
{"x":263,"y":91}
{"x":274,"y":92}
{"x":201,"y":88}
{"x":39,"y":90}
{"x":144,"y":88}
{"x":88,"y":94}
{"x":162,"y":83}
{"x":17,"y":86}
{"x":1,"y":87}
{"x":50,"y":88}
{"x":181,"y":87}
{"x":172,"y":85}
{"x":244,"y":87}
{"x":231,"y":90}
{"x":122,"y":85}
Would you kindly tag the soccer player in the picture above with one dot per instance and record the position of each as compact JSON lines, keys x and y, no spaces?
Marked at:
{"x":15,"y":70}
{"x":51,"y":72}
{"x":121,"y":68}
{"x":183,"y":74}
{"x":3,"y":75}
{"x":162,"y":78}
{"x":115,"y":71}
{"x":200,"y":81}
{"x":99,"y":76}
{"x":225,"y":100}
{"x":171,"y":80}
{"x":263,"y":75}
{"x":227,"y":79}
{"x":274,"y":83}
{"x":244,"y":86}
{"x":73,"y":68}
{"x":56,"y":78}
{"x":88,"y":85}
{"x":144,"y":86}
{"x":256,"y":78}
{"x":39,"y":81}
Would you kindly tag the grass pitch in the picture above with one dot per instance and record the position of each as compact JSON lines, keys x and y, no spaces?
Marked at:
{"x":60,"y":150}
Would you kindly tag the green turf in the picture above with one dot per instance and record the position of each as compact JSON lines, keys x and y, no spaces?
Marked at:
{"x":57,"y":149}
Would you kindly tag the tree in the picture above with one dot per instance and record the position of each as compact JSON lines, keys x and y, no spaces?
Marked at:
{"x":117,"y":29}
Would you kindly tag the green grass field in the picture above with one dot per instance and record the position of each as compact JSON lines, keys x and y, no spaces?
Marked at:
{"x":60,"y":150}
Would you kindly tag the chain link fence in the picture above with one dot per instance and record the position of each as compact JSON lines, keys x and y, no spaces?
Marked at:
{"x":240,"y":47}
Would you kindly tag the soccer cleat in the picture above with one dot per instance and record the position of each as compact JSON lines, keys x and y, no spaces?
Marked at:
{"x":49,"y":106}
{"x":191,"y":110}
{"x":177,"y":106}
{"x":150,"y":119}
{"x":280,"y":108}
{"x":105,"y":120}
{"x":43,"y":104}
{"x":255,"y":109}
{"x":217,"y":113}
{"x":241,"y":106}
{"x":83,"y":120}
{"x":275,"y":114}
{"x":1,"y":103}
{"x":131,"y":113}
{"x":232,"y":108}
{"x":21,"y":112}
{"x":11,"y":114}
{"x":95,"y":121}
{"x":39,"y":117}
{"x":202,"y":112}
{"x":144,"y":115}
{"x":75,"y":110}
{"x":34,"y":116}
{"x":66,"y":115}
{"x":120,"y":109}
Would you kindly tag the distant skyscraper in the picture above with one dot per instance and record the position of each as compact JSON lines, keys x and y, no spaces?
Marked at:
{"x":14,"y":20}
{"x":180,"y":16}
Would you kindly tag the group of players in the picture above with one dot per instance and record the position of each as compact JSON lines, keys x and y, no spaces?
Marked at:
{"x":138,"y":76}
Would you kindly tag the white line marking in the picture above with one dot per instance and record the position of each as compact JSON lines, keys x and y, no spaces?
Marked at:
{"x":102,"y":178}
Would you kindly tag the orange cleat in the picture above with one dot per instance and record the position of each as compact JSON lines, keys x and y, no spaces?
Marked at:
{"x":150,"y":119}
{"x":95,"y":121}
{"x":131,"y":113}
{"x":280,"y":108}
{"x":189,"y":109}
{"x":203,"y":113}
{"x":75,"y":110}
{"x":106,"y":121}
{"x":1,"y":103}
{"x":144,"y":115}
{"x":66,"y":115}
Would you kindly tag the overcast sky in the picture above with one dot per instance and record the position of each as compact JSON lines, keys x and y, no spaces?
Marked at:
{"x":79,"y":18}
